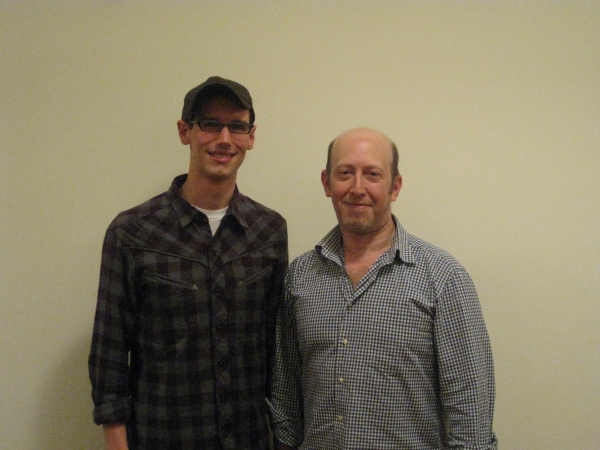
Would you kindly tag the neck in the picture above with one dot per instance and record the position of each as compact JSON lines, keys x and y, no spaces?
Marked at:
{"x":357,"y":246}
{"x":362,"y":250}
{"x":208,"y":194}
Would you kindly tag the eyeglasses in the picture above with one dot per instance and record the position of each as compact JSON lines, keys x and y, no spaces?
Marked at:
{"x":214,"y":126}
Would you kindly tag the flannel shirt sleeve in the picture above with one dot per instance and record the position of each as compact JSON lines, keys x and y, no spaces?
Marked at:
{"x":108,"y":360}
{"x":275,"y":298}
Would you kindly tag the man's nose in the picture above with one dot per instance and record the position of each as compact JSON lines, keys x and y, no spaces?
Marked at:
{"x":358,"y":186}
{"x":224,"y":135}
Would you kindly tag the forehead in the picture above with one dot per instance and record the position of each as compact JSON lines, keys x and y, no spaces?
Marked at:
{"x":364,"y":148}
{"x":219,"y":105}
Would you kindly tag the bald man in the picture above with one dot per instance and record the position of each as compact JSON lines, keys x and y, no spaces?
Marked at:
{"x":381,"y":342}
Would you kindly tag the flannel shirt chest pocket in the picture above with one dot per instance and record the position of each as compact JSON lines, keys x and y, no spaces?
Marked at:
{"x":168,"y":300}
{"x":248,"y":282}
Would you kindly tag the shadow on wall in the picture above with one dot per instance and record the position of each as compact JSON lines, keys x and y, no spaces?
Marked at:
{"x":65,"y":412}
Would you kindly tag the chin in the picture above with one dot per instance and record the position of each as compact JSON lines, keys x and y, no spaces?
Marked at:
{"x":357,"y":227}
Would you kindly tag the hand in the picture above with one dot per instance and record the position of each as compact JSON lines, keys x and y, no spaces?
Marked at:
{"x":115,"y":435}
{"x":280,"y":446}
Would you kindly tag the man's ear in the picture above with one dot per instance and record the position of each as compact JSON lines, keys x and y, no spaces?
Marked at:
{"x":396,"y":186}
{"x":325,"y":183}
{"x":183,"y":129}
{"x":251,"y":138}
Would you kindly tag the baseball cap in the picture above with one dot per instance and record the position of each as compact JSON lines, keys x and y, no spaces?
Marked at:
{"x":215,"y":85}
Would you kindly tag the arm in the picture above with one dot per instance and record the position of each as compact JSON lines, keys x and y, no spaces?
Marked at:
{"x":274,"y":299}
{"x":109,"y":353}
{"x":285,"y":393}
{"x":115,"y":436}
{"x":466,"y":372}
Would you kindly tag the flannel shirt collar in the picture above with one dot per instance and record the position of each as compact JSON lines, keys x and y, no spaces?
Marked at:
{"x":238,"y":209}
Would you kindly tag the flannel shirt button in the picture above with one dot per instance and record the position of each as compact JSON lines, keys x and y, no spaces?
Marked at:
{"x":226,"y":428}
{"x":223,"y":398}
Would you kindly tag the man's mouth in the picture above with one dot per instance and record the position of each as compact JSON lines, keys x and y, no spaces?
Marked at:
{"x":221,"y":156}
{"x":357,"y":205}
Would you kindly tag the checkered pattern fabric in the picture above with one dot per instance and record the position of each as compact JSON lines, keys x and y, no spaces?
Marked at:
{"x":401,"y":362}
{"x":184,"y":323}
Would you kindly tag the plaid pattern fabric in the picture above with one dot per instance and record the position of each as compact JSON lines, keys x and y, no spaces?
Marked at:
{"x":401,"y":362}
{"x":183,"y":322}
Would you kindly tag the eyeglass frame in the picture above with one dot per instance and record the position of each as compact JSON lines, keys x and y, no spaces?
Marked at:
{"x":228,"y":125}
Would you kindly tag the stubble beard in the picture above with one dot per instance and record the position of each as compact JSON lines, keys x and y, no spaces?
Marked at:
{"x":358,"y":225}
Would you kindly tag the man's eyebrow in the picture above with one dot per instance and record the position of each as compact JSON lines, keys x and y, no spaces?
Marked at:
{"x":369,"y":167}
{"x":201,"y":117}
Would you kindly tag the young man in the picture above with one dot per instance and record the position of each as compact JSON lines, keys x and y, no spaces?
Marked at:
{"x":189,"y":286}
{"x":381,"y":342}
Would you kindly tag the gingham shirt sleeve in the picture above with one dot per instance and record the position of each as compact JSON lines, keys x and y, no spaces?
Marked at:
{"x":465,"y":366}
{"x":285,"y":396}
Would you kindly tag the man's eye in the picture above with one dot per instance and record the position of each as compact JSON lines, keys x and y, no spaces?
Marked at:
{"x":237,"y":127}
{"x":210,"y":125}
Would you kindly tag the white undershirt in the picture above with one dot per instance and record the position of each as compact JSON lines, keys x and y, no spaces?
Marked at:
{"x":214,"y":217}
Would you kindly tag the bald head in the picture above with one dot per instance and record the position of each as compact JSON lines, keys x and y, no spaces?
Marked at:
{"x":364,"y":133}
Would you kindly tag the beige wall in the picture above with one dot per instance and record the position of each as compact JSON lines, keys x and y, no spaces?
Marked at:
{"x":495,"y":107}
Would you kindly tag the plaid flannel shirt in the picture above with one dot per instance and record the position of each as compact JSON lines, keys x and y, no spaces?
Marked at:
{"x":184,"y":323}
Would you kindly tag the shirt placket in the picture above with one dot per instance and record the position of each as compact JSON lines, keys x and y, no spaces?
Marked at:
{"x":343,"y":368}
{"x":221,"y":347}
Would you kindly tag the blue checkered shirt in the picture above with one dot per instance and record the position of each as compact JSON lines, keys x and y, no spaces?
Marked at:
{"x":401,"y":362}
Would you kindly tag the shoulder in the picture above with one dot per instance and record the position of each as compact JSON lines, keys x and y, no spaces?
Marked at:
{"x":430,"y":262}
{"x":252,"y":205}
{"x":303,"y":265}
{"x":426,"y":252}
{"x":154,"y":209}
{"x":414,"y":251}
{"x":258,"y":215}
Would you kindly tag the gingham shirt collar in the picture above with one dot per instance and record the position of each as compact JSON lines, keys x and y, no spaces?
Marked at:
{"x":331,"y":246}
